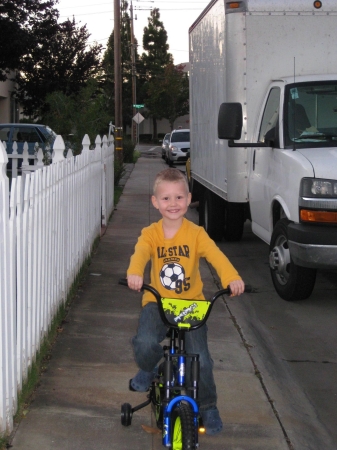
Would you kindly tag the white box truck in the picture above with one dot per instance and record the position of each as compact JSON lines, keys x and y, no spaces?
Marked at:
{"x":263,"y":120}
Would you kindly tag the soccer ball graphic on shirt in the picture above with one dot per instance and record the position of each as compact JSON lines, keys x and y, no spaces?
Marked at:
{"x":170,"y":274}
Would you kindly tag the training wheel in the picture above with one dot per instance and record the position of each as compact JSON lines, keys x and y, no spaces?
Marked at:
{"x":126,"y":414}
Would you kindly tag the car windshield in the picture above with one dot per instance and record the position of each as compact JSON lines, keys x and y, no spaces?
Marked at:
{"x":181,"y":136}
{"x":310,"y":115}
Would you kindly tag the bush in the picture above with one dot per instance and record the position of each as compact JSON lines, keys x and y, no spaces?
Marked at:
{"x":119,"y":171}
{"x":128,"y":150}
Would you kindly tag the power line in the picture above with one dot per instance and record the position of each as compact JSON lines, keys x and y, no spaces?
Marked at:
{"x":108,"y":3}
{"x":110,"y":11}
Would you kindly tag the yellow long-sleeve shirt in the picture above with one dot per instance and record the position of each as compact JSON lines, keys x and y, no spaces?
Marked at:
{"x":175,"y":262}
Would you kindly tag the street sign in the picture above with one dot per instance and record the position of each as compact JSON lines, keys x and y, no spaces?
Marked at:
{"x":138,"y":106}
{"x":138,"y":118}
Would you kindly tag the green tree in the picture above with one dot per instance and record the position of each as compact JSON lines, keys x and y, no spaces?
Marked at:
{"x":73,"y":116}
{"x":168,"y":96}
{"x":59,"y":62}
{"x":23,"y":23}
{"x":154,"y":62}
{"x":175,"y":88}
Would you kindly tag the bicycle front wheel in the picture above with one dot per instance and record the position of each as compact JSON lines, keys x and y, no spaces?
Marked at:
{"x":183,"y":434}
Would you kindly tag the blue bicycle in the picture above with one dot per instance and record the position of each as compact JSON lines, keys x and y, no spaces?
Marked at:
{"x":175,"y":404}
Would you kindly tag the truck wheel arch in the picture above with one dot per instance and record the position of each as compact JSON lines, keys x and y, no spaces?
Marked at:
{"x":279,"y":211}
{"x":291,"y":282}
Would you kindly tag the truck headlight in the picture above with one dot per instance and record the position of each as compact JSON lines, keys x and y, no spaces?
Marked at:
{"x":317,"y":201}
{"x":318,"y":188}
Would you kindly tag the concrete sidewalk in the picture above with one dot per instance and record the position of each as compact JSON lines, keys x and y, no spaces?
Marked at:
{"x":77,"y":405}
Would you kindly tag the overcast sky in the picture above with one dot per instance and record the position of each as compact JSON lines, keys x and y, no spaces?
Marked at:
{"x":176,"y":15}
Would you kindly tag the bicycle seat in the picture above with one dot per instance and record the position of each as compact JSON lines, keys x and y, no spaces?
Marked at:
{"x":183,"y":313}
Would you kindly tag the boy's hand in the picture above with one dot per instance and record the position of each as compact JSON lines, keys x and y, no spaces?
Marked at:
{"x":237,"y":287}
{"x":135,"y":282}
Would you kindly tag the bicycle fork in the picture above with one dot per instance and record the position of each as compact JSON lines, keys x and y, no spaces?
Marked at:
{"x":177,"y":382}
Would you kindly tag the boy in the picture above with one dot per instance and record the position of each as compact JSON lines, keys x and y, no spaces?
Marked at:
{"x":174,"y":239}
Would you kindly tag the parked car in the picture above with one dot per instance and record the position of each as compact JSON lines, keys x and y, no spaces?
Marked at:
{"x":20,"y":133}
{"x":178,"y":147}
{"x":164,"y":145}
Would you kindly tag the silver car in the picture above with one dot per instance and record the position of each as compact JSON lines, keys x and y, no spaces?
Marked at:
{"x":179,"y":147}
{"x":164,"y":145}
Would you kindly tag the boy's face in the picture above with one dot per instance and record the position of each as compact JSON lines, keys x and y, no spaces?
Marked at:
{"x":171,"y":199}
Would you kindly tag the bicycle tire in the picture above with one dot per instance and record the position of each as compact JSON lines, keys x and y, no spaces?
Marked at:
{"x":183,"y":433}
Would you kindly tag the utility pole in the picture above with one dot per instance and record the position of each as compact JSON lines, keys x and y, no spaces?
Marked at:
{"x":134,"y":78}
{"x":118,"y":81}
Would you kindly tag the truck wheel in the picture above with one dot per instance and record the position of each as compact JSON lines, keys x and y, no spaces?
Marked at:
{"x":212,"y":214}
{"x":195,"y":189}
{"x":291,"y":282}
{"x":234,"y":222}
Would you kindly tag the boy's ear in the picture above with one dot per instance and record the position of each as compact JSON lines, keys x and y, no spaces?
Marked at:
{"x":189,"y":197}
{"x":154,"y":202}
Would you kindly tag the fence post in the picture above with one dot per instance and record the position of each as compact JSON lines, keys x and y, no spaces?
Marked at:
{"x":104,"y":181}
{"x":59,"y":148}
{"x":25,"y":162}
{"x":14,"y":160}
{"x":39,"y":157}
{"x":4,"y":261}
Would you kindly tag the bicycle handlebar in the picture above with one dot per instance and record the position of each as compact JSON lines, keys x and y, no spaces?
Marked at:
{"x":195,"y":322}
{"x":147,"y":287}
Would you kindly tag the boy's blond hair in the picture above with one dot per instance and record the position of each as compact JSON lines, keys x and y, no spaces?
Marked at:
{"x":172,"y":176}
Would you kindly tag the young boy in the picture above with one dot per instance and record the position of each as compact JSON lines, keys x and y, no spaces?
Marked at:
{"x":174,"y":239}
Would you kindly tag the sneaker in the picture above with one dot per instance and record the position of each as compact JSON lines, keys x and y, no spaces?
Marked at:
{"x":141,"y":381}
{"x":211,"y":420}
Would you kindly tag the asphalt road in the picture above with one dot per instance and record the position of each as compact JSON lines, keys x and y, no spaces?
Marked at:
{"x":292,"y":344}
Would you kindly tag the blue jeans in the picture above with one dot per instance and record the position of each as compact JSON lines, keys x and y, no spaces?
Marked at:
{"x":148,"y":351}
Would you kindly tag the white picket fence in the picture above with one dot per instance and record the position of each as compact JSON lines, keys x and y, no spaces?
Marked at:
{"x":48,"y":222}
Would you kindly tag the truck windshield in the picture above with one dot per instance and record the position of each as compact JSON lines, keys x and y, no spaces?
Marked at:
{"x":310,"y":115}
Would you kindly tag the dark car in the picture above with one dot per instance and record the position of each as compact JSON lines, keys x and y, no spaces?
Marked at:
{"x":36,"y":135}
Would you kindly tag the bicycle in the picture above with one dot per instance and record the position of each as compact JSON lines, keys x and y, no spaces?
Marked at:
{"x":176,"y":413}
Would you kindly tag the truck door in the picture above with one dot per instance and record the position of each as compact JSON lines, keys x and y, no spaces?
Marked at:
{"x":265,"y":171}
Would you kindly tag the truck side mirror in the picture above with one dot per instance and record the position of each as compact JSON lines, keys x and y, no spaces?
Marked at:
{"x":230,"y":121}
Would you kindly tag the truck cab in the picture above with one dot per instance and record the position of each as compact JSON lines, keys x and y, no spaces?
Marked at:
{"x":293,"y":178}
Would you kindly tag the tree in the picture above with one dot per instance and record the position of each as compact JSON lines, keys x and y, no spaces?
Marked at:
{"x":154,"y":62}
{"x":168,"y":97}
{"x":176,"y":93}
{"x":21,"y":22}
{"x":58,"y":62}
{"x":73,"y":116}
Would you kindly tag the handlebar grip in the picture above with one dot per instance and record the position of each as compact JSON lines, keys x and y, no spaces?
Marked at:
{"x":248,"y":288}
{"x":123,"y":281}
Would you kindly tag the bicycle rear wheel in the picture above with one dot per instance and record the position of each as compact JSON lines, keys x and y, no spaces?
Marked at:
{"x":183,"y":434}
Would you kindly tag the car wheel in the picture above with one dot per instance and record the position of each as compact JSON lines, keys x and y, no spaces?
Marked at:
{"x":292,"y":282}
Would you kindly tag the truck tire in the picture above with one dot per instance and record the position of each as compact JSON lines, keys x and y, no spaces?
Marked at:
{"x":234,"y":221}
{"x":212,"y":214}
{"x":195,"y":189}
{"x":292,"y":282}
